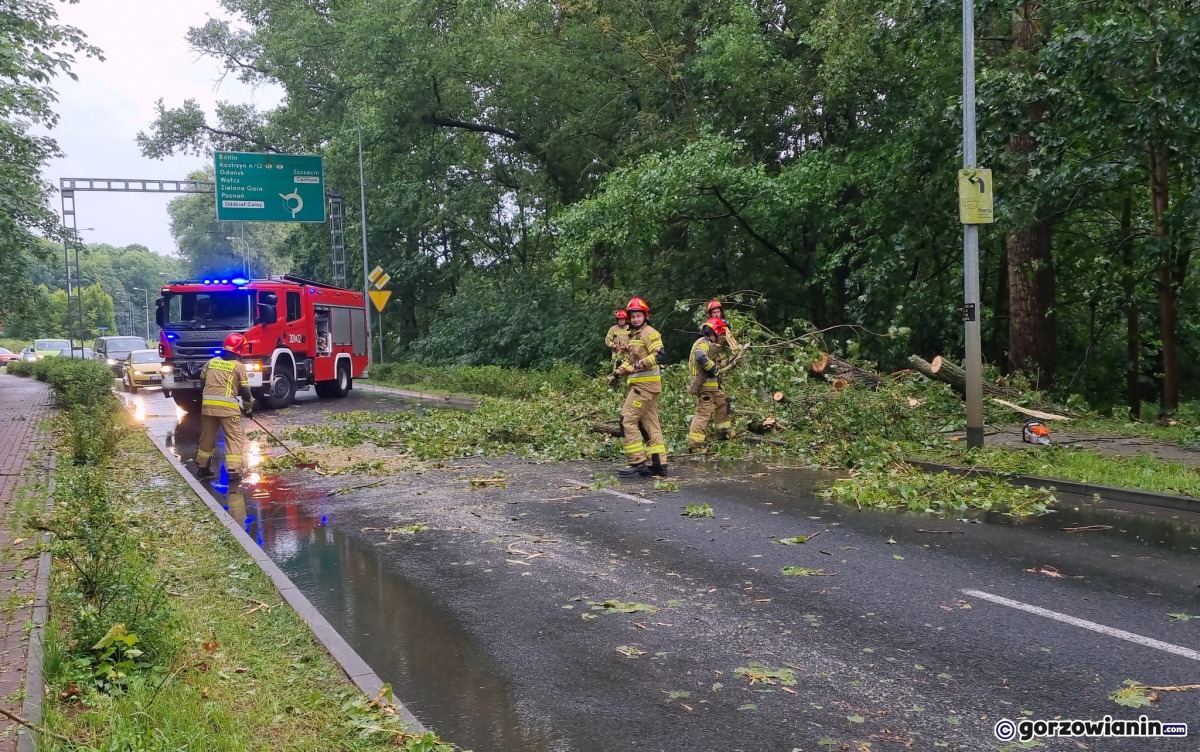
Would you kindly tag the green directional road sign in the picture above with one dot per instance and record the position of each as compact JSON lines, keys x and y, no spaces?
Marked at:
{"x":270,"y":187}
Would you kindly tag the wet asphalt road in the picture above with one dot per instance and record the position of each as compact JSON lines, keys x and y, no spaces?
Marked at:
{"x":485,"y":623}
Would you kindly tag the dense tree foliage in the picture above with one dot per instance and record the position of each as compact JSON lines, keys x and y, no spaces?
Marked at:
{"x":34,"y":48}
{"x":530,"y":164}
{"x":114,"y":280}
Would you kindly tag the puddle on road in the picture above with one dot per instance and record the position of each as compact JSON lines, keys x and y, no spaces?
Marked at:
{"x":444,"y":677}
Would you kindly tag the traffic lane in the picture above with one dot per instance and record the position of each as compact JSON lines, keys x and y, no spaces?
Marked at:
{"x":564,"y":660}
{"x":1051,"y":663}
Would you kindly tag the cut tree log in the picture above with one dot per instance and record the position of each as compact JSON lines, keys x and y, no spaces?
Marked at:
{"x":612,"y":429}
{"x":841,"y":373}
{"x":769,"y":424}
{"x":952,"y":374}
{"x":779,"y":397}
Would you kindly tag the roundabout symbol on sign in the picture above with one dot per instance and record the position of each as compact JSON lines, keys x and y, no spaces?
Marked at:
{"x":287,"y":202}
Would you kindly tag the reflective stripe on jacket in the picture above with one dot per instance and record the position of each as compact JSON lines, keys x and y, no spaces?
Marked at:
{"x":222,"y":381}
{"x":645,"y":348}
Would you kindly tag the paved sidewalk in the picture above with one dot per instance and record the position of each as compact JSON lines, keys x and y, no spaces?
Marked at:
{"x":24,"y":403}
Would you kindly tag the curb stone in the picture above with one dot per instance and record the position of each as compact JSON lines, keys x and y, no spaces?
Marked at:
{"x":427,"y":398}
{"x":345,"y":656}
{"x":1108,"y":493}
{"x":35,"y":681}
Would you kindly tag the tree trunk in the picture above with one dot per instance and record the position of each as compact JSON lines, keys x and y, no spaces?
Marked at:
{"x":1133,"y":350}
{"x":999,"y":353}
{"x":1031,"y":283}
{"x":1160,"y":204}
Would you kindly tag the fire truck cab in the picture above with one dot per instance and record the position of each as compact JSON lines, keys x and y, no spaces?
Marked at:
{"x":299,"y":334}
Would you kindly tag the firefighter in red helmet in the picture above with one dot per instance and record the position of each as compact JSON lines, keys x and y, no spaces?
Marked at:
{"x":224,"y":380}
{"x":716,"y":309}
{"x":644,"y":384}
{"x":617,"y":338}
{"x":705,"y":371}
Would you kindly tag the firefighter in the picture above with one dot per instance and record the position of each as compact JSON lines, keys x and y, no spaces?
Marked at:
{"x":715,"y":308}
{"x":644,"y":384}
{"x":711,"y":402}
{"x":224,"y":379}
{"x":617,"y":338}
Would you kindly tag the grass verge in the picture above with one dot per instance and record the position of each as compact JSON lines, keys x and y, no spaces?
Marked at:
{"x":1081,"y":465}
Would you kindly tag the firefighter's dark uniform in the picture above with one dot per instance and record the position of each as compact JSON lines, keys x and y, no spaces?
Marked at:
{"x":711,"y":402}
{"x":223,"y":381}
{"x":641,"y":401}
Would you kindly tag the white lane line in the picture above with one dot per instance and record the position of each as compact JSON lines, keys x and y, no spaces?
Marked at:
{"x":610,"y":492}
{"x":1120,"y":634}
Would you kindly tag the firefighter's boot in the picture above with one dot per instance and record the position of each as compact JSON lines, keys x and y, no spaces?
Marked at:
{"x":204,"y":472}
{"x":657,"y":467}
{"x":639,"y":469}
{"x":723,"y":434}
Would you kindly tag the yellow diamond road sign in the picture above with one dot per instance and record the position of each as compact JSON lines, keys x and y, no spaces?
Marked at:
{"x":374,"y":275}
{"x":975,"y":196}
{"x":380,"y":298}
{"x":382,"y":280}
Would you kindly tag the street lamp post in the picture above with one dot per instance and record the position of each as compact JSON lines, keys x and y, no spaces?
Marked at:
{"x":245,"y":254}
{"x":141,"y":289}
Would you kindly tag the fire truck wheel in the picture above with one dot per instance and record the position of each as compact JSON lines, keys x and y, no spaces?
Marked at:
{"x":189,"y":400}
{"x":337,"y":388}
{"x":282,"y":389}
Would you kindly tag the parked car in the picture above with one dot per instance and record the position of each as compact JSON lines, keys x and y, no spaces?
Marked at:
{"x":142,"y":368}
{"x":43,"y":347}
{"x":113,"y":351}
{"x":8,"y":356}
{"x":77,"y":352}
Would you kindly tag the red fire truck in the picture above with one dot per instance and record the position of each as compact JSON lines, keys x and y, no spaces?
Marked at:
{"x":299,"y":334}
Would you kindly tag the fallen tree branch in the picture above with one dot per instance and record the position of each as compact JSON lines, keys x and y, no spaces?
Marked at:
{"x":31,"y":725}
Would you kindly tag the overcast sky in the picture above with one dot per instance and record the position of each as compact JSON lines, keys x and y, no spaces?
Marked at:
{"x":146,"y":57}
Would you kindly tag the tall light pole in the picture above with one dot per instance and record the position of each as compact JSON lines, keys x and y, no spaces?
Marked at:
{"x":362,"y":194}
{"x":245,"y":254}
{"x":141,"y":289}
{"x":971,"y":303}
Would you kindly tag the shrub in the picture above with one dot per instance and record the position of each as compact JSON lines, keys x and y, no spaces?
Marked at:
{"x":76,"y":381}
{"x":20,"y":368}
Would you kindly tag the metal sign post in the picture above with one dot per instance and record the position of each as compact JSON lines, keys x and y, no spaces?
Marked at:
{"x":971,"y":303}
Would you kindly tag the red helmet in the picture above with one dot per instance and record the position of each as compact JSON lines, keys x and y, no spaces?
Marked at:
{"x":714,"y":304}
{"x":234,"y":343}
{"x":637,"y":304}
{"x":718,"y":325}
{"x":622,"y":313}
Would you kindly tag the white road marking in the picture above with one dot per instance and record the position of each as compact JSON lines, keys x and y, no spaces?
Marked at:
{"x":611,"y":492}
{"x":1120,"y":634}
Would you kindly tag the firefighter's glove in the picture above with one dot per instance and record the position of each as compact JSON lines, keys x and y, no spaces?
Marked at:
{"x":625,"y":369}
{"x":248,"y":411}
